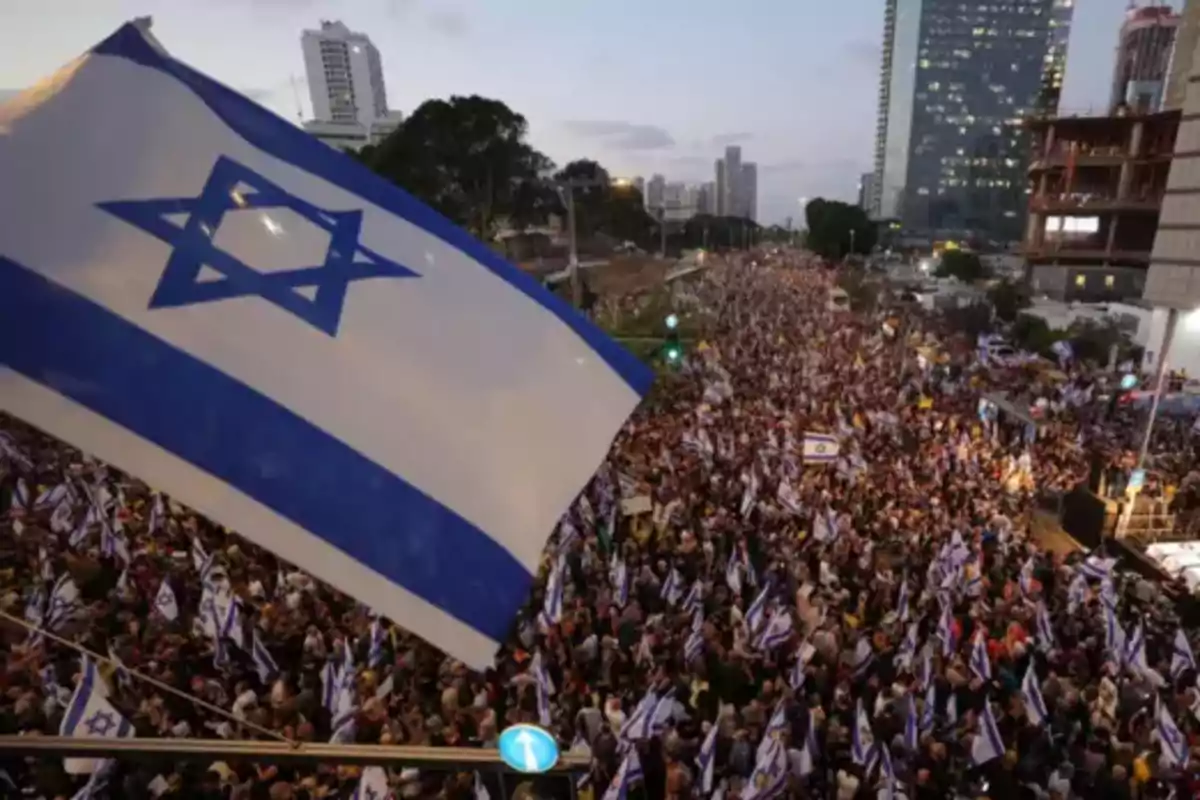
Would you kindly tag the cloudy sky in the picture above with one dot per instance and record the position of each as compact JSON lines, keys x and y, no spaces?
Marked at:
{"x":641,"y":86}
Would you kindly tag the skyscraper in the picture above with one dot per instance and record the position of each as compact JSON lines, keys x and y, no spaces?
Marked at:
{"x":950,"y":151}
{"x":1144,"y":57}
{"x":718,"y":201}
{"x":1182,"y":54}
{"x":655,"y":189}
{"x":345,"y":75}
{"x":732,"y":167}
{"x":748,"y":191}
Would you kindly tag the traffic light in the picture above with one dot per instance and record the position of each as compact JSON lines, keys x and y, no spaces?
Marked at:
{"x":672,"y":350}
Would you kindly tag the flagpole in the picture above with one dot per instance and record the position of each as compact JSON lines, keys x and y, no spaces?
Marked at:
{"x":152,"y":681}
{"x":209,"y":750}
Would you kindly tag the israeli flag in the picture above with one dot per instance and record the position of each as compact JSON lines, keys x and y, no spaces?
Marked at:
{"x":264,"y":663}
{"x":777,"y":631}
{"x":373,"y":785}
{"x":641,"y":722}
{"x":1045,"y":631}
{"x":1182,"y":657}
{"x":90,"y":715}
{"x":820,"y":448}
{"x":862,"y":740}
{"x":912,"y":729}
{"x":202,"y":294}
{"x":165,"y":602}
{"x":980,"y":664}
{"x":706,"y":759}
{"x":987,"y":743}
{"x":1174,"y":746}
{"x":769,"y":778}
{"x":672,"y":588}
{"x":693,"y":648}
{"x":629,"y":773}
{"x":777,"y":725}
{"x":929,"y":711}
{"x":757,"y":613}
{"x":1031,"y":692}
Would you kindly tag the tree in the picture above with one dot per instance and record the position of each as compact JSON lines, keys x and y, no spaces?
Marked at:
{"x":1032,"y":334}
{"x":605,"y":206}
{"x":858,"y":286}
{"x":837,"y":229}
{"x":960,"y":264}
{"x":467,"y":158}
{"x":1008,"y":298}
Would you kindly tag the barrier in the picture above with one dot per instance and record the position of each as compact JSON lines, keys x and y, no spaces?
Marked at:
{"x":560,"y":781}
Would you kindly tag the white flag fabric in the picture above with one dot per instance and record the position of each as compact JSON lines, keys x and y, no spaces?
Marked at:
{"x":207,"y":297}
{"x":165,"y":602}
{"x":91,"y":716}
{"x":987,"y":743}
{"x":820,"y":448}
{"x":1031,"y":692}
{"x":373,"y":785}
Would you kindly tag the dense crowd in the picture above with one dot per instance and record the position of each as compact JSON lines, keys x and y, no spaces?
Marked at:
{"x":729,"y":609}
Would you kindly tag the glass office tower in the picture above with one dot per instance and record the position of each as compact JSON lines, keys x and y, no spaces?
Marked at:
{"x":957,"y":80}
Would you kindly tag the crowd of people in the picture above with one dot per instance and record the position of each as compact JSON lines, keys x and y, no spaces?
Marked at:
{"x":805,"y":570}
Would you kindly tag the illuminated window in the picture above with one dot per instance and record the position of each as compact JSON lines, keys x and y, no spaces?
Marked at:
{"x":1109,"y":280}
{"x":1081,"y":281}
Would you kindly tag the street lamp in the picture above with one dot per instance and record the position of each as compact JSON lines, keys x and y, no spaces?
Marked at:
{"x":566,"y":192}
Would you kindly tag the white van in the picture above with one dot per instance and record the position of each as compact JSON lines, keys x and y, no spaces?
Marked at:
{"x":838,"y":300}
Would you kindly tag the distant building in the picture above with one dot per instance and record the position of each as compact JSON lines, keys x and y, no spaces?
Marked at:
{"x":706,"y":196}
{"x":950,"y":152}
{"x":866,"y":191}
{"x":1098,"y":187}
{"x":639,"y":183}
{"x":345,"y":75}
{"x":1182,"y":55}
{"x":732,"y":168}
{"x":353,"y":135}
{"x":655,"y":190}
{"x":748,"y":191}
{"x":720,"y":188}
{"x":1144,"y":58}
{"x":1174,"y":279}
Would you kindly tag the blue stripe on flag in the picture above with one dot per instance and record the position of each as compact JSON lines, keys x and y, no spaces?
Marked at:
{"x":83,"y":351}
{"x":267,"y":132}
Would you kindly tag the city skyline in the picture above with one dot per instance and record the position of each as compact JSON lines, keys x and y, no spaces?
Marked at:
{"x":798,"y":85}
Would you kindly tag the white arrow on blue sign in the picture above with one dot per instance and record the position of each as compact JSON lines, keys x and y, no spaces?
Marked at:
{"x":528,"y":748}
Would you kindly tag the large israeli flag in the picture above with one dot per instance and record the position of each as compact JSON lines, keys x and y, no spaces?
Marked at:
{"x":207,"y":297}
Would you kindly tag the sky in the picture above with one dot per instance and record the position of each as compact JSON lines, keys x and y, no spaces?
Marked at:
{"x":641,"y":86}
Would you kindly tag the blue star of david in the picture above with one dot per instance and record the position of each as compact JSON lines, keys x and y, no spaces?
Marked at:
{"x":233,"y":187}
{"x":100,"y":723}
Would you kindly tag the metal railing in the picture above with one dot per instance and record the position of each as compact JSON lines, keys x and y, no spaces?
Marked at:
{"x":558,"y":782}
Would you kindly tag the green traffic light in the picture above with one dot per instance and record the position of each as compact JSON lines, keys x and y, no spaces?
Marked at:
{"x":673,"y":354}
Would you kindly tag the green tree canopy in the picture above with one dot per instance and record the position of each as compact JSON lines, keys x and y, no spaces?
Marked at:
{"x":605,"y":206}
{"x":466,"y":157}
{"x":1008,"y":298}
{"x":837,"y":229}
{"x":961,"y":264}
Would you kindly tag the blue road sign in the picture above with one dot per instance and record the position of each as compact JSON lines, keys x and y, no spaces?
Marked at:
{"x":528,"y":748}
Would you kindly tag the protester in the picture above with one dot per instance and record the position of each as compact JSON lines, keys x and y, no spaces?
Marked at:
{"x":805,"y":570}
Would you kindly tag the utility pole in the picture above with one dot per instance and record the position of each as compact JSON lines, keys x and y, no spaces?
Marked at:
{"x":566,"y":193}
{"x":572,"y":247}
{"x":662,"y":231}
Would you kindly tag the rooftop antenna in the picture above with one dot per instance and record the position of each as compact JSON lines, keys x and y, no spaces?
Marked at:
{"x":296,"y":97}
